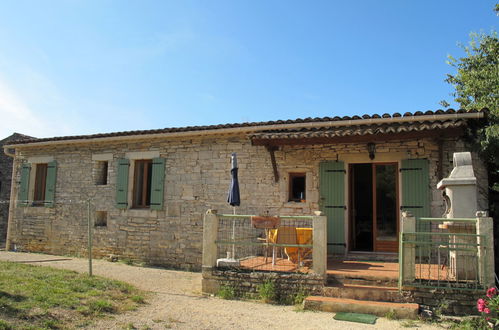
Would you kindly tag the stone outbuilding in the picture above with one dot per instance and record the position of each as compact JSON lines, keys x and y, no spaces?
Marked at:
{"x":5,"y":182}
{"x":148,"y":190}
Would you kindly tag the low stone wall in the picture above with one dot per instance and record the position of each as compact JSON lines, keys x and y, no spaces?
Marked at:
{"x":246,"y":283}
{"x":448,"y":301}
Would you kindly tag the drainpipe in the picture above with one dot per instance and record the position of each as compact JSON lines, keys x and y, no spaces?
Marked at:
{"x":8,"y":151}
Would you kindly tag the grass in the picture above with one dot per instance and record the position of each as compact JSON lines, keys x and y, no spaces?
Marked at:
{"x":48,"y":298}
{"x":391,"y":315}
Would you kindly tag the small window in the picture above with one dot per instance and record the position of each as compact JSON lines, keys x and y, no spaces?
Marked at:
{"x":100,"y":172}
{"x":100,"y":219}
{"x":297,"y":187}
{"x":40,"y":183}
{"x":142,"y":183}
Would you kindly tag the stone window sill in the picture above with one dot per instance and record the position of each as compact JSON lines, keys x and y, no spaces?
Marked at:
{"x":141,"y":213}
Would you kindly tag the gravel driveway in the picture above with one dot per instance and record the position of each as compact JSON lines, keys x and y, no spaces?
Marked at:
{"x":176,"y":301}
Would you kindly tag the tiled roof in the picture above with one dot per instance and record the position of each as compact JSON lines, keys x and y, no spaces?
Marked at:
{"x":254,"y":125}
{"x":15,"y":137}
{"x":343,"y":131}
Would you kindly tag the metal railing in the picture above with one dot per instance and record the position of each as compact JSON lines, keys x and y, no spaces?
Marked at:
{"x":443,"y":253}
{"x":248,"y":242}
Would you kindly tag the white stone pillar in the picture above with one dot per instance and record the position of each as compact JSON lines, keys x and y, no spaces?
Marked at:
{"x":210,"y":230}
{"x":408,"y":265}
{"x":486,"y":267}
{"x":319,"y":252}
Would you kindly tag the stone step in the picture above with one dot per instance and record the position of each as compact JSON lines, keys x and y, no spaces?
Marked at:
{"x":328,"y":304}
{"x":364,"y":292}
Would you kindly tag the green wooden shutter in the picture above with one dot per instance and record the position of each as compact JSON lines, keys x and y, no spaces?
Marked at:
{"x":157,"y":183}
{"x":122,"y":184}
{"x":24,"y":186}
{"x":332,"y":203}
{"x":50,"y":184}
{"x":416,"y":187}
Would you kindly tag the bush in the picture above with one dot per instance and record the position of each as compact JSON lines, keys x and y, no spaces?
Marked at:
{"x":489,"y":307}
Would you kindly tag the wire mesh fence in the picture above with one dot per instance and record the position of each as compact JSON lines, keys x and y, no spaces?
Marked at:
{"x":28,"y":232}
{"x":265,"y":243}
{"x":446,"y":253}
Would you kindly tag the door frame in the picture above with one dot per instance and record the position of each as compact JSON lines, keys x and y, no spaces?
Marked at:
{"x":373,"y":217}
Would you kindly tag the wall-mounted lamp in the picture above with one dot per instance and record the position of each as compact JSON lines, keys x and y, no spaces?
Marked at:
{"x":371,"y":148}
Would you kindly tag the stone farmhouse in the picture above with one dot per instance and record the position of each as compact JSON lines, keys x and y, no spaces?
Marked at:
{"x":5,"y":182}
{"x":149,"y":190}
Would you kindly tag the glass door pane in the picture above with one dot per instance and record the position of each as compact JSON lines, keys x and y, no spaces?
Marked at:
{"x":386,"y":233}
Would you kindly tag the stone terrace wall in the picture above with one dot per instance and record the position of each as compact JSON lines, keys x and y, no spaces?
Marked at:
{"x":197,"y":178}
{"x":450,"y":302}
{"x":246,"y":284}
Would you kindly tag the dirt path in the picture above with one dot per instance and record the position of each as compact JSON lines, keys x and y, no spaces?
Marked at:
{"x":176,"y":301}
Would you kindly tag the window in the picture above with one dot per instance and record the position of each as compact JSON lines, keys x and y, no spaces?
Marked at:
{"x":100,"y":172}
{"x":100,"y":219}
{"x":40,"y":184}
{"x":297,"y":187}
{"x":142,"y":183}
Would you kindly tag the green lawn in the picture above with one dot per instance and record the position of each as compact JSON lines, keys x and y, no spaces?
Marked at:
{"x":33,"y":297}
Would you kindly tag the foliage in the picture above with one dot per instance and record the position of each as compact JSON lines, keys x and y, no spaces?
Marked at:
{"x":469,"y":323}
{"x":476,"y":81}
{"x":391,"y":315}
{"x":489,"y":307}
{"x":476,"y":86}
{"x":267,"y":291}
{"x":44,"y":297}
{"x":299,"y":296}
{"x":227,"y":291}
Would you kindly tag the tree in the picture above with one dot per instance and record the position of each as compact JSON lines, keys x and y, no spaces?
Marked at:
{"x":476,"y":86}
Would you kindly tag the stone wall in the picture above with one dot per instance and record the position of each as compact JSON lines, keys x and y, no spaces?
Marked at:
{"x":5,"y":183}
{"x":246,"y":284}
{"x":197,"y":178}
{"x":449,"y":302}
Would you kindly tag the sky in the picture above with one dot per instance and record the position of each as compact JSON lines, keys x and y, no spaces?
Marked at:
{"x":70,"y":67}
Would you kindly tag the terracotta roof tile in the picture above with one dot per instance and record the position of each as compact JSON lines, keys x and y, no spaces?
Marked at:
{"x":357,"y":130}
{"x":246,"y":124}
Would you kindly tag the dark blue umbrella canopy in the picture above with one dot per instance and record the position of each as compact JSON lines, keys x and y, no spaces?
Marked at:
{"x":233,"y":197}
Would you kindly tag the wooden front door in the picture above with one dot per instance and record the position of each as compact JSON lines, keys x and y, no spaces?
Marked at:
{"x":374,"y":204}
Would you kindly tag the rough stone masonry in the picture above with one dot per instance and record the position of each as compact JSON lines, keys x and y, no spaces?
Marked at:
{"x":196,"y":179}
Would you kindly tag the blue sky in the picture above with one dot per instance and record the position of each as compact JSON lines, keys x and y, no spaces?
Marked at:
{"x":82,"y":67}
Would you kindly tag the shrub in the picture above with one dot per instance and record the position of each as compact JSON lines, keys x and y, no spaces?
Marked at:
{"x":489,"y":307}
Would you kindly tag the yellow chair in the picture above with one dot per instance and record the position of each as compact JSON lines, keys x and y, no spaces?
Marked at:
{"x":285,"y":235}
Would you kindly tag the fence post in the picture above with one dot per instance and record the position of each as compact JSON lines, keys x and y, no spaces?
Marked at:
{"x":407,"y":261}
{"x":319,"y":252}
{"x":210,"y":230}
{"x":90,"y":238}
{"x":484,"y":227}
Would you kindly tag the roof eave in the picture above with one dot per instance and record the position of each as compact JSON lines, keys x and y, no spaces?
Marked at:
{"x":248,"y":129}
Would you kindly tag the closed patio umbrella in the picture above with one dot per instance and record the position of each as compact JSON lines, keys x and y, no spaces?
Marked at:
{"x":233,"y":197}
